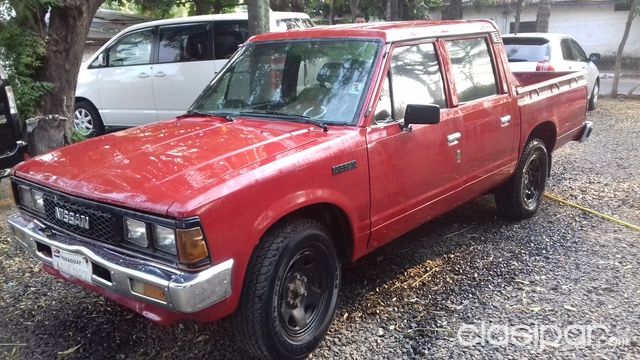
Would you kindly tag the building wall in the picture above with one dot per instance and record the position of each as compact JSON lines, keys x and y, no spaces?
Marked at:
{"x":597,"y":27}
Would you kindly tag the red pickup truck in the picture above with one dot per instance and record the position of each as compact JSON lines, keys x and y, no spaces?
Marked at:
{"x":309,"y":150}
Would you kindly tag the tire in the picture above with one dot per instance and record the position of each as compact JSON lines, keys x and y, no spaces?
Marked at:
{"x":593,"y":100}
{"x":87,"y":120}
{"x":289,"y":293}
{"x":521,"y":196}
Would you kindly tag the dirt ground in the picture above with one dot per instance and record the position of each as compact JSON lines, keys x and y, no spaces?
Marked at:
{"x":453,"y":288}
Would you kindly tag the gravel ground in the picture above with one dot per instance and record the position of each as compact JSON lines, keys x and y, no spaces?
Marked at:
{"x":429,"y":294}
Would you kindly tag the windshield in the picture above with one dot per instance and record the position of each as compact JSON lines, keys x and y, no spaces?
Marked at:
{"x":322,"y":80}
{"x":527,"y":49}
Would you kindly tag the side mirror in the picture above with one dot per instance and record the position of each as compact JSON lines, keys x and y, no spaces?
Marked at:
{"x":421,"y":114}
{"x":594,"y":58}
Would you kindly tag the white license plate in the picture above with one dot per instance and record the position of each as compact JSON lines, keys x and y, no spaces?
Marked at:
{"x":75,"y":265}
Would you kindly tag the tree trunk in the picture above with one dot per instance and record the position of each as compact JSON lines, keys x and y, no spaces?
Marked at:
{"x":453,"y":11}
{"x":354,"y":6}
{"x":203,"y":7}
{"x":623,"y":42}
{"x":393,"y":10}
{"x":278,"y":5}
{"x":69,"y":23}
{"x":331,"y":12}
{"x":518,"y":13}
{"x":258,"y":16}
{"x":542,"y":17}
{"x":297,"y":5}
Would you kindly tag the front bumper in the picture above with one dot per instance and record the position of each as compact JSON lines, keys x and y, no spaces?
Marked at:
{"x":186,"y":292}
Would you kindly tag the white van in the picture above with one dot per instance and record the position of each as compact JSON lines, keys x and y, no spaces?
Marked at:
{"x":153,"y":71}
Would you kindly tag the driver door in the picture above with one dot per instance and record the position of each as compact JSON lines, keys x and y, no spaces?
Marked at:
{"x":411,"y":171}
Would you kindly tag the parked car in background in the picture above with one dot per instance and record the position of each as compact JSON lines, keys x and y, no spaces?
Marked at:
{"x":153,"y":71}
{"x":13,"y":145}
{"x":310,"y":150}
{"x":528,"y":52}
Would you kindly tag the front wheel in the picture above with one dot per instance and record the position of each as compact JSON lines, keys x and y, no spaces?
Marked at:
{"x":593,"y":100}
{"x":86,"y":119}
{"x":290,"y":292}
{"x":521,"y":196}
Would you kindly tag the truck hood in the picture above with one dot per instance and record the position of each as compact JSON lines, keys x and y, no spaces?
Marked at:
{"x":149,"y":167}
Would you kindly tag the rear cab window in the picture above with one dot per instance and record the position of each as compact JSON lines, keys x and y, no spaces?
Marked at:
{"x":527,"y":49}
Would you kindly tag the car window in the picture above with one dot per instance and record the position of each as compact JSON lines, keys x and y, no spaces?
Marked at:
{"x":383,"y":108}
{"x":472,"y":69}
{"x":577,"y":50}
{"x":132,"y":49}
{"x":293,"y":23}
{"x":184,"y":43}
{"x":527,"y":49}
{"x":228,"y":36}
{"x":416,"y":78}
{"x":567,"y":50}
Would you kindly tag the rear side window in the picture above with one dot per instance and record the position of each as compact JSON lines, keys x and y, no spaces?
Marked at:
{"x":184,"y":43}
{"x":472,"y":69}
{"x":578,"y":51}
{"x":527,"y":49}
{"x":132,"y":49}
{"x":228,"y":36}
{"x":416,"y":78}
{"x":567,"y":50}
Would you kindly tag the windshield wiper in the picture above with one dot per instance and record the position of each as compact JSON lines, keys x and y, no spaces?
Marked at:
{"x":225,"y":116}
{"x":295,"y":118}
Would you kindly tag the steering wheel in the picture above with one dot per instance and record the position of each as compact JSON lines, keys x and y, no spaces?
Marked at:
{"x":323,"y":110}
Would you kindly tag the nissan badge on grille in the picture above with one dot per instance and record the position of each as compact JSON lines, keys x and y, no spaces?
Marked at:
{"x":72,"y":218}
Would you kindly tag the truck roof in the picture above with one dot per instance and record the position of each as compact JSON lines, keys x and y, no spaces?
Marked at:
{"x":387,"y":31}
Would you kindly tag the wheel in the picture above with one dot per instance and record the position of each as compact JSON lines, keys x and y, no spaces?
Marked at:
{"x":86,"y":119}
{"x":521,"y":196}
{"x":593,"y":100}
{"x":290,"y":292}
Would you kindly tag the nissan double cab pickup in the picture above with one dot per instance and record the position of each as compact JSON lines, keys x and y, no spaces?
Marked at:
{"x":309,"y":150}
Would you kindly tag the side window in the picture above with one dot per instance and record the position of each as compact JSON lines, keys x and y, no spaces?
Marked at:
{"x":228,"y":36}
{"x":577,"y":50}
{"x":132,"y":49}
{"x":416,"y":78}
{"x":383,"y":109}
{"x":184,"y":43}
{"x":472,"y":69}
{"x":567,"y":51}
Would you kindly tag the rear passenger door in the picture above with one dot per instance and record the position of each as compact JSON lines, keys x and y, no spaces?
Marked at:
{"x":185,"y":66}
{"x":410,"y":171}
{"x":486,"y":109}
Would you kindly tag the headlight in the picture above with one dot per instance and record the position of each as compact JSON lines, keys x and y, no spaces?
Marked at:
{"x":25,"y":197}
{"x":38,"y":200}
{"x":31,"y":199}
{"x":135,"y":231}
{"x":164,"y":238}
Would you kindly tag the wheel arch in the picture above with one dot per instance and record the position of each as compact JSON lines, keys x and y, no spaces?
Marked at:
{"x":548,"y":133}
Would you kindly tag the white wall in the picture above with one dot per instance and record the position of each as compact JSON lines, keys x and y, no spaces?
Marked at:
{"x":597,"y":27}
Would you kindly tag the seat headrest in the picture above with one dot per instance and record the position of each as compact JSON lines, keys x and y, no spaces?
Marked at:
{"x":330,"y":73}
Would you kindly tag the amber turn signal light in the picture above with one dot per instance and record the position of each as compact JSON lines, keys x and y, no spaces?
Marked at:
{"x":191,"y":246}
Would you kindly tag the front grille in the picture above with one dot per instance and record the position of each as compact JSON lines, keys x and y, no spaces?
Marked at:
{"x":102,"y":225}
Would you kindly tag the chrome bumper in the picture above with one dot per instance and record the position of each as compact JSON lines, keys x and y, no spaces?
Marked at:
{"x":588,"y":128}
{"x":185,"y":292}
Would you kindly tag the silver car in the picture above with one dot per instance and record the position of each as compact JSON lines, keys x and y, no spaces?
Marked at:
{"x":528,"y":52}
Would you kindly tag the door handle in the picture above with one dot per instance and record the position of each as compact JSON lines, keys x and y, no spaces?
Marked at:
{"x":160,"y":74}
{"x":143,"y":75}
{"x":454,"y":138}
{"x":505,"y":120}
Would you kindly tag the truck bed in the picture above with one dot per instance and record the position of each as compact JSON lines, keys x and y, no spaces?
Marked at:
{"x":555,"y":97}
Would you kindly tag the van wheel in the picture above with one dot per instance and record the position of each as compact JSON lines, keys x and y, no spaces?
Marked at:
{"x":593,"y":100}
{"x":521,"y":196}
{"x":86,"y":119}
{"x":290,"y":292}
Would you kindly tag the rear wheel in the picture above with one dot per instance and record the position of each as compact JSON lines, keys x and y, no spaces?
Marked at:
{"x":521,"y":196}
{"x":290,"y":292}
{"x":86,"y":119}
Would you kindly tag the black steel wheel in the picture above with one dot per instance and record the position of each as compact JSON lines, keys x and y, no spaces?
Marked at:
{"x":290,"y":292}
{"x":521,"y":196}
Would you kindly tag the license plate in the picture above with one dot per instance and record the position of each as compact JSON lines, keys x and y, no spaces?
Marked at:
{"x":75,"y":265}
